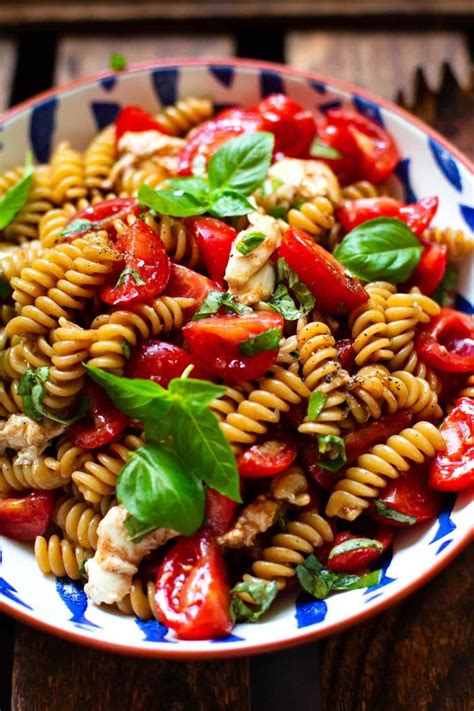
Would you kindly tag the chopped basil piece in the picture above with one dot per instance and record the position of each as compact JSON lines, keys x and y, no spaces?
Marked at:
{"x":15,"y":198}
{"x":214,"y":301}
{"x":316,"y":403}
{"x":319,"y":149}
{"x":266,"y":341}
{"x":335,"y":448}
{"x":282,"y":302}
{"x":76,"y":226}
{"x":262,"y":594}
{"x":133,"y":274}
{"x":117,"y":62}
{"x":279,"y":212}
{"x":319,"y":581}
{"x":31,"y":388}
{"x":250,"y":242}
{"x":388,"y":512}
{"x":125,"y":348}
{"x":355,"y":544}
{"x":296,"y":286}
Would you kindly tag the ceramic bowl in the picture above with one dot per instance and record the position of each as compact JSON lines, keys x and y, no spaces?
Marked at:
{"x":429,"y":166}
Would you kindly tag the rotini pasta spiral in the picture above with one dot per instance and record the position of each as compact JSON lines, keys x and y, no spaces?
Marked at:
{"x":24,"y":353}
{"x":403,"y":313}
{"x":131,"y":178}
{"x":140,"y":601}
{"x":362,"y":189}
{"x":180,"y":118}
{"x":468,"y":389}
{"x":78,"y":522}
{"x":53,"y":223}
{"x":12,"y":264}
{"x":67,"y":167}
{"x":24,"y":225}
{"x":313,"y":216}
{"x":10,"y":177}
{"x":291,"y":486}
{"x":459,"y":244}
{"x":178,"y":241}
{"x":10,"y":402}
{"x":368,"y":323}
{"x":44,"y":473}
{"x":59,"y":557}
{"x":99,"y":159}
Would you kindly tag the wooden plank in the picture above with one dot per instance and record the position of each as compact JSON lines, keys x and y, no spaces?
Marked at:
{"x":7,"y":67}
{"x":51,"y":674}
{"x":385,"y":63}
{"x":80,"y":56}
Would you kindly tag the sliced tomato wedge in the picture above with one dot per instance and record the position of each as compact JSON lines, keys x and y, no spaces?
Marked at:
{"x":215,"y":344}
{"x":190,"y":285}
{"x":346,"y":353}
{"x":220,"y":511}
{"x":133,"y":119}
{"x":147,"y":267}
{"x":192,"y":594}
{"x":453,"y":468}
{"x":429,"y":272}
{"x":359,"y":558}
{"x":376,"y":432}
{"x":417,"y":216}
{"x":159,"y":361}
{"x":102,"y":424}
{"x":335,"y":291}
{"x":102,"y":216}
{"x":25,"y":517}
{"x":293,"y":128}
{"x":447,"y":342}
{"x":214,"y":239}
{"x":267,"y":458}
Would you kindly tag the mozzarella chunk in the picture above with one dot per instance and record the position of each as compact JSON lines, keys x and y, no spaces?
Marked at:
{"x":144,"y":144}
{"x":241,"y":267}
{"x":28,"y":437}
{"x":304,"y":180}
{"x":258,"y":288}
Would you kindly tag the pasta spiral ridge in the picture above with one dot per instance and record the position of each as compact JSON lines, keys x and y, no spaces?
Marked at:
{"x":140,"y":601}
{"x":458,"y":243}
{"x":131,"y":178}
{"x":10,"y":402}
{"x":313,"y":216}
{"x":44,"y":473}
{"x":181,"y":117}
{"x":13,"y":263}
{"x":59,"y":557}
{"x":24,"y":353}
{"x":25,"y":224}
{"x":10,"y":177}
{"x":368,"y":324}
{"x":362,"y":189}
{"x":78,"y":521}
{"x":468,"y":389}
{"x":178,"y":241}
{"x":67,"y":167}
{"x":403,"y":313}
{"x":99,"y":158}
{"x":291,"y":486}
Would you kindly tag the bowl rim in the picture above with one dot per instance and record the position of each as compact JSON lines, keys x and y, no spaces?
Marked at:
{"x":181,"y":653}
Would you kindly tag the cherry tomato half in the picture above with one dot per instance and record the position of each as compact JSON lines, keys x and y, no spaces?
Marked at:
{"x":133,"y":119}
{"x":191,"y":285}
{"x":346,"y":353}
{"x":447,"y":342}
{"x":103,"y":214}
{"x":159,"y":361}
{"x":215,"y":344}
{"x":417,"y":216}
{"x":376,"y":432}
{"x":334,"y":290}
{"x":293,"y":128}
{"x":214,"y":239}
{"x":430,"y":270}
{"x":192,"y":594}
{"x":453,"y":468}
{"x":266,"y":458}
{"x":220,"y":511}
{"x":26,"y":517}
{"x":102,"y":424}
{"x":146,"y":270}
{"x":357,"y":560}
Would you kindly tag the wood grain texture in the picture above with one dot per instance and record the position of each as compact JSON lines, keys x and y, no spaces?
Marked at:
{"x":80,"y":56}
{"x":385,"y":63}
{"x":7,"y":67}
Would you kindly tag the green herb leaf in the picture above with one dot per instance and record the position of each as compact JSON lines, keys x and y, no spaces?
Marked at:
{"x":158,"y":489}
{"x":227,"y":203}
{"x":316,"y":403}
{"x":283,"y":303}
{"x":279,"y":212}
{"x":15,"y":198}
{"x":126,"y":350}
{"x":319,"y":149}
{"x":137,"y":529}
{"x":130,"y":273}
{"x":446,"y":291}
{"x":266,"y":341}
{"x":214,"y":301}
{"x":117,"y":62}
{"x":75,"y":227}
{"x":250,"y":242}
{"x":196,"y":186}
{"x":355,"y":544}
{"x":388,"y":512}
{"x":196,"y":394}
{"x":336,"y":449}
{"x":176,"y":203}
{"x":5,"y":289}
{"x":262,"y":592}
{"x":298,"y":287}
{"x":384,"y":248}
{"x":320,"y":581}
{"x":241,"y":163}
{"x":31,"y":388}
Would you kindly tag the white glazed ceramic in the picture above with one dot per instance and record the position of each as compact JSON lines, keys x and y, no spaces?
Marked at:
{"x":429,"y":166}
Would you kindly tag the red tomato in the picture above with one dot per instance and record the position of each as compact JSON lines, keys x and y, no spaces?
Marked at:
{"x":293,"y":128}
{"x":102,"y":424}
{"x":210,"y":135}
{"x":214,"y":239}
{"x":376,"y":432}
{"x":133,"y":119}
{"x":447,"y":342}
{"x":159,"y":361}
{"x":368,"y":151}
{"x":430,"y":269}
{"x":356,"y":561}
{"x":220,"y":511}
{"x":266,"y":458}
{"x":453,"y":468}
{"x":310,"y":458}
{"x":346,"y":353}
{"x":334,"y":290}
{"x":192,"y":594}
{"x":147,"y":267}
{"x":417,"y":216}
{"x":26,"y":517}
{"x":103,"y":214}
{"x":410,"y":495}
{"x":189,"y":284}
{"x":214,"y":344}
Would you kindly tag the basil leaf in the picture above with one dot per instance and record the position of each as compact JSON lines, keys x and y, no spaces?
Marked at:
{"x":316,"y":403}
{"x":205,"y":450}
{"x":158,"y":489}
{"x":117,"y":62}
{"x":15,"y":198}
{"x":282,"y":302}
{"x":214,"y":301}
{"x":388,"y":512}
{"x":76,"y":226}
{"x":319,"y":149}
{"x":5,"y":288}
{"x":31,"y":388}
{"x":241,"y":163}
{"x":250,"y":242}
{"x":132,"y":274}
{"x":126,"y":350}
{"x":137,"y":529}
{"x":197,"y":394}
{"x":176,"y":203}
{"x":229,"y":203}
{"x":320,"y":581}
{"x":298,"y":287}
{"x":262,"y":592}
{"x":335,"y":447}
{"x":384,"y":248}
{"x":195,"y":186}
{"x":355,"y":544}
{"x":266,"y":341}
{"x":445,"y":293}
{"x":279,"y":212}
{"x":354,"y":582}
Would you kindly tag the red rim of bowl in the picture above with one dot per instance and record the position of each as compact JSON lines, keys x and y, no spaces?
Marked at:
{"x":310,"y":635}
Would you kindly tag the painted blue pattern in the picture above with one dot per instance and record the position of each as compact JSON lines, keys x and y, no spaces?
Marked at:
{"x":445,"y":524}
{"x":105,"y":112}
{"x":271,"y":83}
{"x":385,"y":579}
{"x":373,"y":597}
{"x":42,"y":125}
{"x":318,"y":86}
{"x":10,"y":593}
{"x":446,"y":164}
{"x":153,"y":630}
{"x":223,"y":74}
{"x":309,"y":611}
{"x":462,"y":304}
{"x":444,"y":545}
{"x":229,"y":638}
{"x":72,"y":594}
{"x":402,"y":171}
{"x":467,"y":213}
{"x":368,"y":108}
{"x":165,"y":84}
{"x":108,"y":83}
{"x":330,"y":105}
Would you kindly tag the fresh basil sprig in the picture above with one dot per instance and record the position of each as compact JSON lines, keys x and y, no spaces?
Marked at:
{"x":266,"y":341}
{"x":316,"y":403}
{"x":283,"y":302}
{"x":262,"y":592}
{"x":129,"y":273}
{"x":319,"y":149}
{"x":234,"y":172}
{"x":319,"y":581}
{"x":215,"y":300}
{"x":388,"y":512}
{"x":15,"y":198}
{"x":335,"y":448}
{"x":384,"y":248}
{"x":76,"y":226}
{"x":31,"y":388}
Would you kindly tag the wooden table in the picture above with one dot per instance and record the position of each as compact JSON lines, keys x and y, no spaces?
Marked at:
{"x":417,"y":656}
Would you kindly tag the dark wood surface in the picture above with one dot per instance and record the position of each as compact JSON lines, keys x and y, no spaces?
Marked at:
{"x":417,"y":656}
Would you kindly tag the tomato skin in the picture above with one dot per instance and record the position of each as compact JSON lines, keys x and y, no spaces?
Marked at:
{"x":376,"y":432}
{"x":214,"y":239}
{"x":26,"y":517}
{"x":192,"y":595}
{"x":220,"y":511}
{"x":357,"y":561}
{"x":267,"y":458}
{"x":133,"y":119}
{"x":293,"y":128}
{"x":103,"y":214}
{"x":346,"y":353}
{"x":453,"y":468}
{"x":447,"y":342}
{"x":310,"y":458}
{"x":160,"y":361}
{"x":214,"y":344}
{"x":417,"y":216}
{"x":102,"y":424}
{"x":145,"y":254}
{"x":335,"y":291}
{"x":430,"y":270}
{"x":189,"y":284}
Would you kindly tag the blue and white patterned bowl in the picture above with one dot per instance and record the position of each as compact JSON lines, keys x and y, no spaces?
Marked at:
{"x":430,"y":166}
